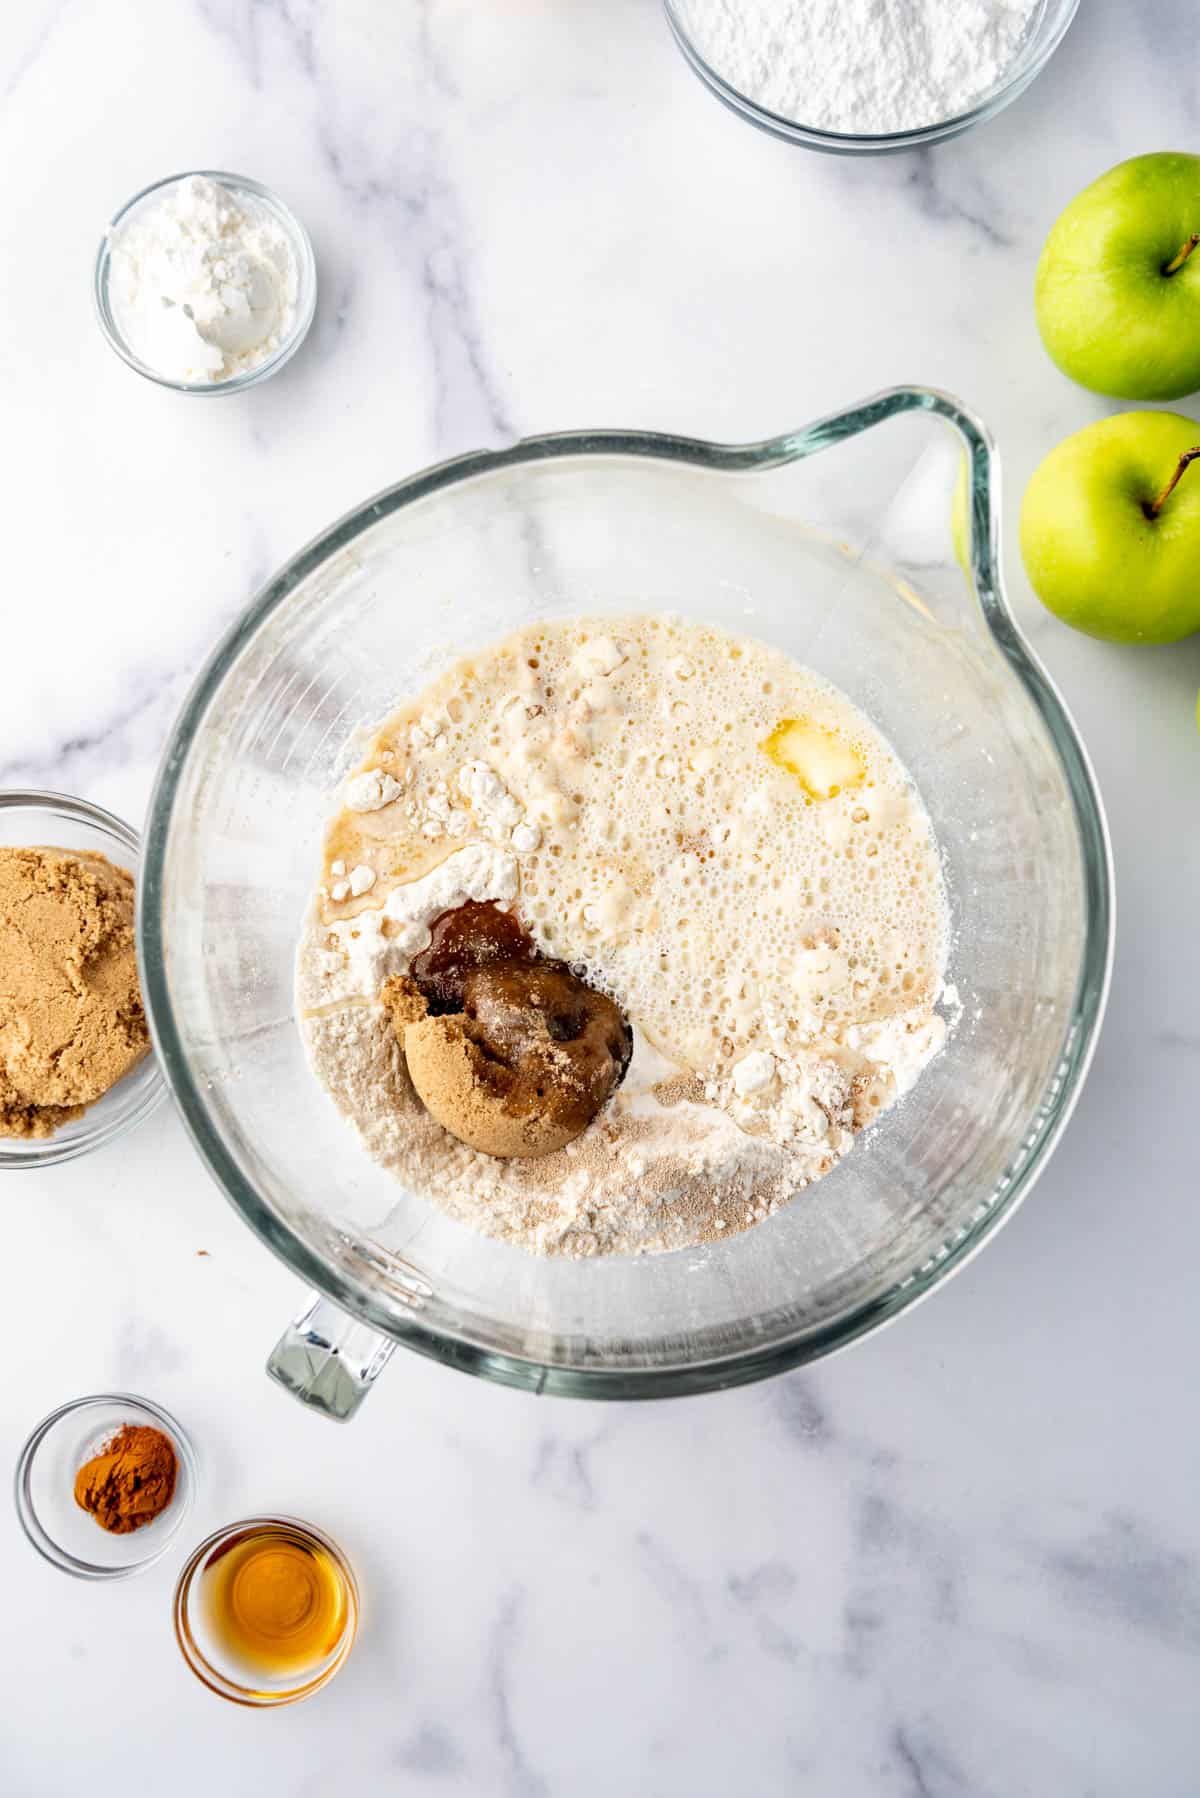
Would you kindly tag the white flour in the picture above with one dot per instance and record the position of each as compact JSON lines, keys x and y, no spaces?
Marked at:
{"x":774,"y":931}
{"x":859,"y":66}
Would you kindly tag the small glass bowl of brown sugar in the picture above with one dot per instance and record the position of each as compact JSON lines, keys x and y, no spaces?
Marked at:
{"x":103,"y":1485}
{"x":87,"y":1050}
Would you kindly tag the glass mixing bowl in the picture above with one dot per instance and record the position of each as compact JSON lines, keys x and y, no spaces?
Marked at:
{"x":844,"y":543}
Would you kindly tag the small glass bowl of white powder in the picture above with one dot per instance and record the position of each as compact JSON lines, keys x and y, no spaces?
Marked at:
{"x":867,"y":76}
{"x":205,"y":283}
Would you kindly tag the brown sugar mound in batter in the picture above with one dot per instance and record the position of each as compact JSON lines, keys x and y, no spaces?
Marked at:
{"x":526,"y":1064}
{"x":71,"y":1018}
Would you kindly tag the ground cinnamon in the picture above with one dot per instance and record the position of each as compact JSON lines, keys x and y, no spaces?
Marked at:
{"x":130,"y":1481}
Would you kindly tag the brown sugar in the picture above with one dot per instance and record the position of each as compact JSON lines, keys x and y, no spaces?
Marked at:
{"x":522,"y":1069}
{"x":71,"y":1018}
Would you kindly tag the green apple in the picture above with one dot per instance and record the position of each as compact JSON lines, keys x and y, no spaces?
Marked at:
{"x":1110,"y":528}
{"x":1118,"y":285}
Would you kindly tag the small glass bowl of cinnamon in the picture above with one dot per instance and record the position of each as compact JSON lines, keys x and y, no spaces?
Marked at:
{"x":96,"y":1514}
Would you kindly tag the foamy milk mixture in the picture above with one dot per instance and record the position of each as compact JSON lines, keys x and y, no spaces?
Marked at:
{"x":708,"y":832}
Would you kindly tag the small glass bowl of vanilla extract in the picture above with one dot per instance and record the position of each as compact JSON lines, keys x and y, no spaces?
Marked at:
{"x":266,"y":1611}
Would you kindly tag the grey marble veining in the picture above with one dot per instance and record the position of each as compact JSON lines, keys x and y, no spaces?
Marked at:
{"x":960,"y":1561}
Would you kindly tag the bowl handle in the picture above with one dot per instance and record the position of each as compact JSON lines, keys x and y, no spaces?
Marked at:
{"x":328,"y":1360}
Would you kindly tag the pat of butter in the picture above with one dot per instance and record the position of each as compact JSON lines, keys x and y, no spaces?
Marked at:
{"x":822,"y":761}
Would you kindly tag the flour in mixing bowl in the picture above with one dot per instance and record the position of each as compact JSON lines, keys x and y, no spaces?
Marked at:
{"x":704,"y":831}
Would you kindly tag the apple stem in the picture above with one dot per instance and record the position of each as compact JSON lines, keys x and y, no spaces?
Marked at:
{"x":1153,"y":507}
{"x":1181,"y":255}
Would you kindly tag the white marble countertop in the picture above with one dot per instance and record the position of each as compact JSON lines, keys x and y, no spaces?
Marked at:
{"x":963,"y":1558}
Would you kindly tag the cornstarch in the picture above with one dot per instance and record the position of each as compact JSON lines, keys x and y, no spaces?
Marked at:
{"x":204,"y":282}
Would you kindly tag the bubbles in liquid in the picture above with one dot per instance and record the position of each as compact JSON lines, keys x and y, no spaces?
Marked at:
{"x":697,"y":878}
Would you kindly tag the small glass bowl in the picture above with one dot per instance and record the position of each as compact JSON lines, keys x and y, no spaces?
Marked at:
{"x":306,"y":281}
{"x":33,"y":820}
{"x":213,"y":1664}
{"x":1045,"y":34}
{"x":44,"y":1487}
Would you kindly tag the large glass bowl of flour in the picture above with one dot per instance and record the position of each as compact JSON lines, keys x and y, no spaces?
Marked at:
{"x":865,"y":546}
{"x":861,"y":77}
